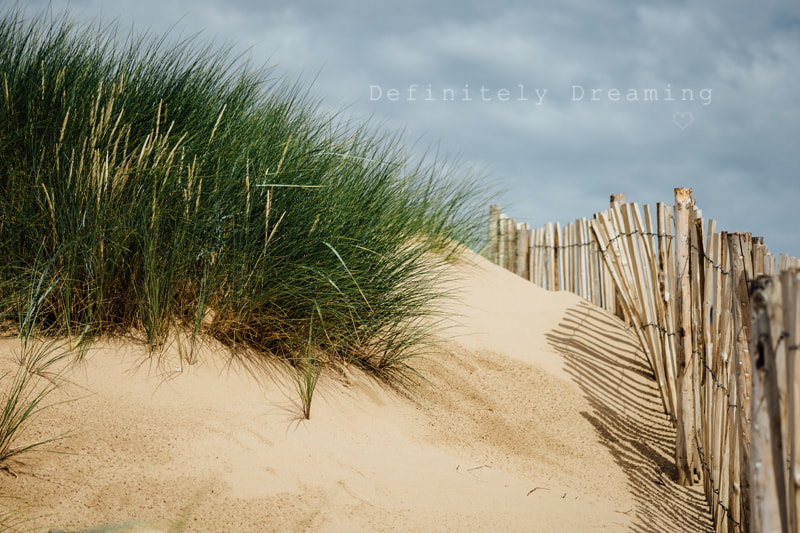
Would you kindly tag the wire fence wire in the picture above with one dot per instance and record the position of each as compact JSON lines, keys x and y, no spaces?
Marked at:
{"x":620,"y":262}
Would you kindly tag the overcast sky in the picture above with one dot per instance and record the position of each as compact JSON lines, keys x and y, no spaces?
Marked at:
{"x":561,"y":102}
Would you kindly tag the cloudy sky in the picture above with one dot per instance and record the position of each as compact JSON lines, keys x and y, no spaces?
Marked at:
{"x":560,"y":102}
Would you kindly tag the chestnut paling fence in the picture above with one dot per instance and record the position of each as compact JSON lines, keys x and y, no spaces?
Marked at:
{"x":717,"y":317}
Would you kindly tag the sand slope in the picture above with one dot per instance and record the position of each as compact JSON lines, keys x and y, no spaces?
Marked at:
{"x":540,"y":416}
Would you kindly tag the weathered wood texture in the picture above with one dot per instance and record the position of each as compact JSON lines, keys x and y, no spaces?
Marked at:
{"x":686,"y":459}
{"x":552,"y":257}
{"x":686,"y":290}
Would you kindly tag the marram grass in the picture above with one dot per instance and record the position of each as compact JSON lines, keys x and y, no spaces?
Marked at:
{"x":157,"y":187}
{"x":23,"y":398}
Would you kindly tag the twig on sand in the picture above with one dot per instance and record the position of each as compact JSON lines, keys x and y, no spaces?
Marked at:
{"x":470,"y":470}
{"x":534,"y":489}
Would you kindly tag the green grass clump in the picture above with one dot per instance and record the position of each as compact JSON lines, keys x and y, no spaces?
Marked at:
{"x":24,"y":397}
{"x":153,"y":185}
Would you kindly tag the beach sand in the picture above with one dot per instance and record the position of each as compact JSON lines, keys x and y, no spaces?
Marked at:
{"x":540,"y":415}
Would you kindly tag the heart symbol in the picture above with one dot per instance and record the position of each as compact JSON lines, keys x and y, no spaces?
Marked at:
{"x":682,"y":120}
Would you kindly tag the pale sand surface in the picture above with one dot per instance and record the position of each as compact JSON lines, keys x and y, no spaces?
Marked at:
{"x":540,"y":416}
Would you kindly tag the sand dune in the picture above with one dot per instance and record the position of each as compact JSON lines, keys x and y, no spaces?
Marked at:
{"x":540,"y":416}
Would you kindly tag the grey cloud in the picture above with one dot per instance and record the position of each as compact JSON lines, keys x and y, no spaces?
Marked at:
{"x":562,"y":159}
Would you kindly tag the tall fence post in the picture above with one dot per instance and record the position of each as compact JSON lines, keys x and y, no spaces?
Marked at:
{"x":740,"y":272}
{"x":550,"y":243}
{"x":494,"y":233}
{"x":558,"y":261}
{"x":685,"y":451}
{"x":503,"y":241}
{"x":768,"y":505}
{"x":790,"y":284}
{"x":523,"y":247}
{"x":617,"y":307}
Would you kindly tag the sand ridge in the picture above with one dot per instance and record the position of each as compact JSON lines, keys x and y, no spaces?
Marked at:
{"x":539,"y":416}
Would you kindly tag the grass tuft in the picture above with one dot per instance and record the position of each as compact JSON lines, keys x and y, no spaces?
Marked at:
{"x":24,"y":396}
{"x":14,"y":520}
{"x":169,"y":187}
{"x":306,"y":371}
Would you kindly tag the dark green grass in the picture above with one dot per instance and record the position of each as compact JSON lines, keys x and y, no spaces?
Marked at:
{"x":153,"y":186}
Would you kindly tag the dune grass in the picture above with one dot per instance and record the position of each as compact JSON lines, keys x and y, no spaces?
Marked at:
{"x":159,"y":185}
{"x":37,"y":376}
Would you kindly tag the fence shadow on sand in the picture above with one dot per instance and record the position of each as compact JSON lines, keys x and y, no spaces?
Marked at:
{"x":608,"y":365}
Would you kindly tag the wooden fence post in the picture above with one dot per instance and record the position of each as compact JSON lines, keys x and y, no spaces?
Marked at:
{"x":769,"y":264}
{"x":558,"y":261}
{"x":616,"y":306}
{"x":759,"y":252}
{"x":698,"y":321}
{"x":511,"y":245}
{"x":502,"y":240}
{"x":741,"y":272}
{"x":767,"y":479}
{"x":550,"y":242}
{"x":685,"y":451}
{"x":494,"y":233}
{"x":783,"y":262}
{"x":790,"y":283}
{"x":523,"y":246}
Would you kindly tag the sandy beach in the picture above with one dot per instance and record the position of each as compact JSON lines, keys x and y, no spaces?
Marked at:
{"x":540,"y":415}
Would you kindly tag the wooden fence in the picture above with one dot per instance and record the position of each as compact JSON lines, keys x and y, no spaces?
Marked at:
{"x":685,"y":289}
